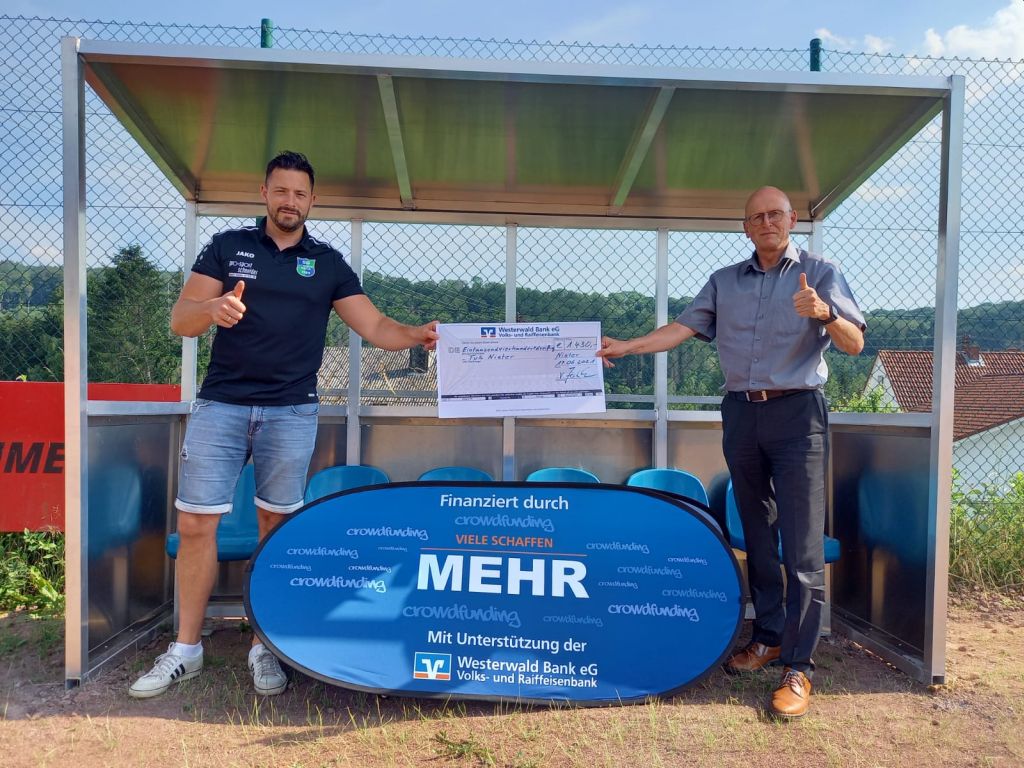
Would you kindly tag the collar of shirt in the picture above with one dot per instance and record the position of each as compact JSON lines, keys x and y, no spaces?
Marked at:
{"x":267,"y":240}
{"x":792,"y":253}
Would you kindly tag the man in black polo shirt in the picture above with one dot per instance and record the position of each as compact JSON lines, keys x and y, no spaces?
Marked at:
{"x":269,"y":289}
{"x":773,"y":315}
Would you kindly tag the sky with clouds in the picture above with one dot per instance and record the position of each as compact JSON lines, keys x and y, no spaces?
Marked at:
{"x":980,"y":29}
{"x":989,"y":29}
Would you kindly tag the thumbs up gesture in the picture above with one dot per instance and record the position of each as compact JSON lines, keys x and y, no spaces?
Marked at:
{"x":228,"y":310}
{"x":807,"y":303}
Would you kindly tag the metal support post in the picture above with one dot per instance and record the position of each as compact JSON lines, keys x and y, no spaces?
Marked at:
{"x":266,"y":33}
{"x":189,"y":345}
{"x":660,"y":457}
{"x":508,"y":424}
{"x":76,"y":374}
{"x":353,"y":443}
{"x":940,"y":481}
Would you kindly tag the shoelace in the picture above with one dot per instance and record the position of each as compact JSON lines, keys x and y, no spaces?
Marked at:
{"x":166,"y":663}
{"x":266,"y":664}
{"x":795,"y":682}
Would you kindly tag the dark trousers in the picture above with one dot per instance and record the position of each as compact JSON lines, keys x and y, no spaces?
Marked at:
{"x":776,"y":451}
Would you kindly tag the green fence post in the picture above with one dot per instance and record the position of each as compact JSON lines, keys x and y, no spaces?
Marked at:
{"x":816,"y":54}
{"x":266,"y":33}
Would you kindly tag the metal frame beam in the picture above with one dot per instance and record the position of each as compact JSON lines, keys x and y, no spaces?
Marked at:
{"x":660,"y":458}
{"x":508,"y":423}
{"x":189,"y":344}
{"x":641,"y":143}
{"x":393,"y":121}
{"x":388,"y":215}
{"x":76,"y":375}
{"x":511,"y":70}
{"x":940,"y":481}
{"x":353,"y":436}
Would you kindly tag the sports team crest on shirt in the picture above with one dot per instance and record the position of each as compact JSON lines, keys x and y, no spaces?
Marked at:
{"x":306,"y":267}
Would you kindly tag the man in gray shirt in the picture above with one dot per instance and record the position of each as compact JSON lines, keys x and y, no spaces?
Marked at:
{"x":773,"y":316}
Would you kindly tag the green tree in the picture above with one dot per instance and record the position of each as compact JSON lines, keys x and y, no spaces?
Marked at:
{"x":129,"y":322}
{"x":31,"y":342}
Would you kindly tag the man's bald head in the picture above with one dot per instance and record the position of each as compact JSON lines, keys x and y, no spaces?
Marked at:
{"x":766,"y":199}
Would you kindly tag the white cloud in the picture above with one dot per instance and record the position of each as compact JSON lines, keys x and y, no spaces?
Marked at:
{"x":876,"y":44}
{"x":833,"y":41}
{"x":869,"y":43}
{"x":999,"y":37}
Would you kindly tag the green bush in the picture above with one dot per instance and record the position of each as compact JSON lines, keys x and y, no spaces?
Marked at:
{"x":32,"y":572}
{"x":986,"y":534}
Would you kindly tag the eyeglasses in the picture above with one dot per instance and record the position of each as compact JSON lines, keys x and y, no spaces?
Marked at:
{"x":772,"y":217}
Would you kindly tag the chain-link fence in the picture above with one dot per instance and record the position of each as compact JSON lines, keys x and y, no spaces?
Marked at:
{"x":884,"y":236}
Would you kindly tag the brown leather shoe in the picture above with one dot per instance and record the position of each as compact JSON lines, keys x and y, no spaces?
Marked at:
{"x":793,"y":696}
{"x":755,"y":656}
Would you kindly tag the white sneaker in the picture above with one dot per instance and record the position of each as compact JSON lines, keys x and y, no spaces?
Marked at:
{"x":169,"y":668}
{"x":267,"y":675}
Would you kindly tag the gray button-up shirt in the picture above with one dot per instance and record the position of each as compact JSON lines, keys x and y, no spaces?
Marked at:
{"x":762,"y":342}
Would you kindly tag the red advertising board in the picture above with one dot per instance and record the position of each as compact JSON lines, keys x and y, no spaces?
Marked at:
{"x":32,"y":447}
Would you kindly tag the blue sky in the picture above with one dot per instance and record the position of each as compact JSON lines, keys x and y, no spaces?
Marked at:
{"x":898,"y":198}
{"x":981,"y":28}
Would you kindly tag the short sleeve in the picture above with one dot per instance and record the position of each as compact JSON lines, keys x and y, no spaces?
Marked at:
{"x":701,"y":315}
{"x":834,"y":290}
{"x":209,"y":262}
{"x":347,"y":283}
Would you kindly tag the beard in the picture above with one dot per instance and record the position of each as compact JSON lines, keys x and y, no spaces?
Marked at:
{"x":292,"y":224}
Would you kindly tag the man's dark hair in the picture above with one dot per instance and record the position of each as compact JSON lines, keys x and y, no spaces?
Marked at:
{"x":291,"y":161}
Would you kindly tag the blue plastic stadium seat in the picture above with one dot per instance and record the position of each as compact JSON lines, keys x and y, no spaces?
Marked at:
{"x":456,"y":473}
{"x":672,"y":480}
{"x":238,"y":532}
{"x":561,"y":475}
{"x":115,"y":504}
{"x":343,"y":478}
{"x":734,"y":528}
{"x":892,"y":508}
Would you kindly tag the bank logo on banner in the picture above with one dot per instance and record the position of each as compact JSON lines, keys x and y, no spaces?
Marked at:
{"x":432,"y":666}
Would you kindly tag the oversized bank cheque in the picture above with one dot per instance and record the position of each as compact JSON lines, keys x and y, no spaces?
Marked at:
{"x":519,"y":369}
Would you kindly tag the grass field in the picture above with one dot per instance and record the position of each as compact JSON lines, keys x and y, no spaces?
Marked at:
{"x":865,"y":713}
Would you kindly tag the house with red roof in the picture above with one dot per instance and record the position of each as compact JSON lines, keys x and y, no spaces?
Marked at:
{"x":988,"y":409}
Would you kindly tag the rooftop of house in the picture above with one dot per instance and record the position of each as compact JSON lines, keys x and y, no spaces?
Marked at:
{"x":989,"y":386}
{"x":406,"y":376}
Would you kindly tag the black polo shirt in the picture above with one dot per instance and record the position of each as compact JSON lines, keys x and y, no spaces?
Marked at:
{"x":271,"y":357}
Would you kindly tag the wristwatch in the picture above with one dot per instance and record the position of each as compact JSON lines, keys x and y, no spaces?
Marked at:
{"x":832,"y":315}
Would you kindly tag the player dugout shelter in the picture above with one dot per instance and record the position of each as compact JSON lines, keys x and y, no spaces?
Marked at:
{"x":507,"y":144}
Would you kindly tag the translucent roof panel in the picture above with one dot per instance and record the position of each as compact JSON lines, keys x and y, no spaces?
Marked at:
{"x":503,"y":137}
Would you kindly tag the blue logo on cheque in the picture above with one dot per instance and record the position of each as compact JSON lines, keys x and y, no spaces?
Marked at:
{"x":488,"y":332}
{"x":305,"y":267}
{"x":432,"y":666}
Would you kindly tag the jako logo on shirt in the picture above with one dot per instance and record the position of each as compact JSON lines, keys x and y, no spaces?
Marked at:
{"x":306,"y":267}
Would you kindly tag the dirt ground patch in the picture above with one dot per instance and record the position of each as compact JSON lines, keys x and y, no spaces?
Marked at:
{"x":865,"y":713}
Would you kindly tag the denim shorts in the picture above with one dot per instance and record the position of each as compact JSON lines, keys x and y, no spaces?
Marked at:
{"x":221,"y":437}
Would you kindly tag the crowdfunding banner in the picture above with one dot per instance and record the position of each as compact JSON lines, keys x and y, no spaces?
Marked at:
{"x":512,"y":591}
